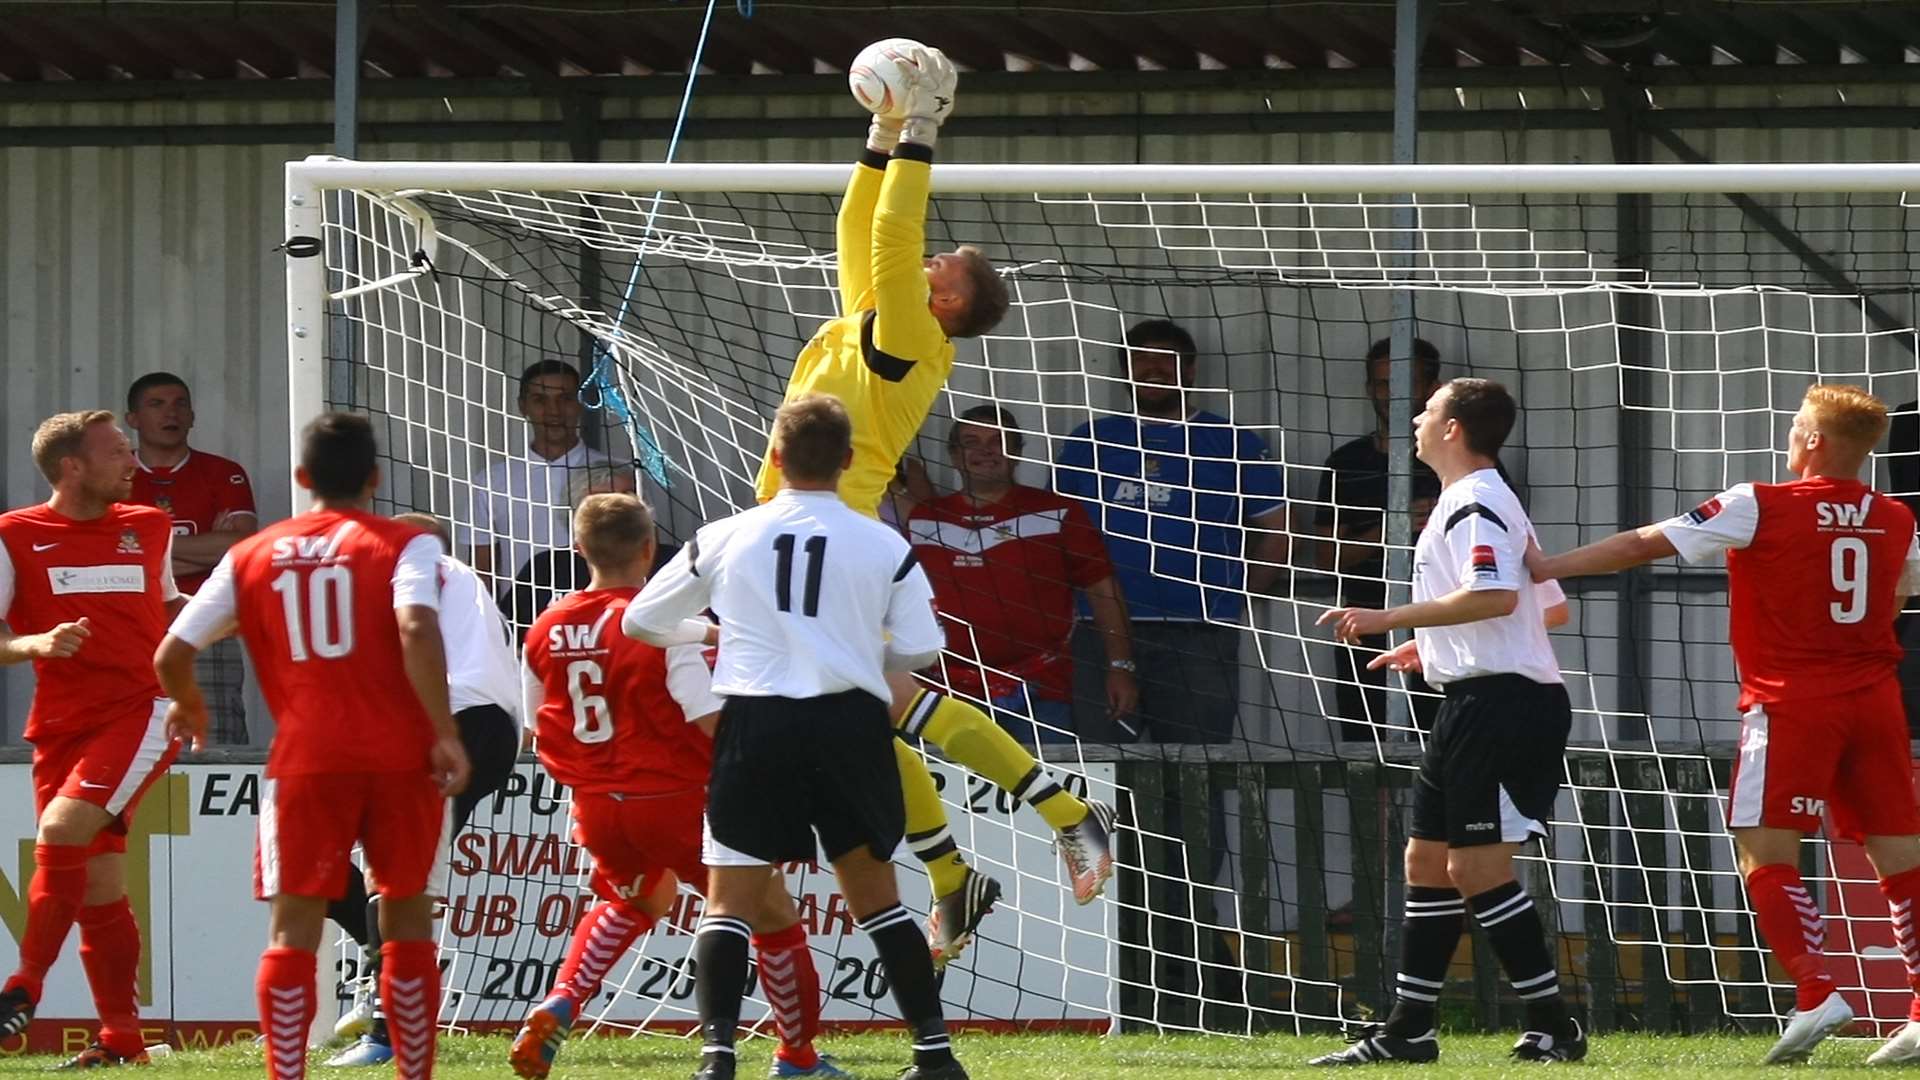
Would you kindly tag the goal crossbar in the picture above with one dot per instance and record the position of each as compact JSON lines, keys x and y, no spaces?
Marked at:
{"x":324,"y":173}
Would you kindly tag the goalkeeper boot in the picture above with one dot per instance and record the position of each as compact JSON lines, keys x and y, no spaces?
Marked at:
{"x":367,"y":1050}
{"x":824,"y":1068}
{"x":1902,"y":1048}
{"x":1808,"y":1027}
{"x":97,"y":1056}
{"x":1372,"y":1045}
{"x":957,"y":915}
{"x":16,"y":1011}
{"x":538,"y":1042}
{"x":1569,"y":1045}
{"x":1087,"y":848}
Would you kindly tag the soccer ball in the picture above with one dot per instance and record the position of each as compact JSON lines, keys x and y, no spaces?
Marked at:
{"x":881,"y":74}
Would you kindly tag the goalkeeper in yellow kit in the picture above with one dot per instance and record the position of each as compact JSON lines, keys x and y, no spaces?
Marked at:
{"x":886,"y":358}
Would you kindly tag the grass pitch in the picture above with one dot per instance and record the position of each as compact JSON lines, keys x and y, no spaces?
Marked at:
{"x":1053,"y":1057}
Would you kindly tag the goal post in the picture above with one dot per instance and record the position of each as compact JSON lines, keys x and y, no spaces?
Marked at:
{"x":1261,"y":885}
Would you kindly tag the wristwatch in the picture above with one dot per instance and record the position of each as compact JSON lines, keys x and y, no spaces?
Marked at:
{"x":1127,"y":666}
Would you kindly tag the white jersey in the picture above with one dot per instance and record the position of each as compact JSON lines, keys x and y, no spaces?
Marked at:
{"x":1476,"y":538}
{"x":813,"y":599}
{"x":523,"y":506}
{"x":480,"y":664}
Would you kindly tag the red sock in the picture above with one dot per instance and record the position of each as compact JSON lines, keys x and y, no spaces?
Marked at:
{"x":110,"y":951}
{"x":601,"y":939}
{"x":410,"y":992}
{"x":792,"y":986}
{"x":285,"y":989}
{"x":1900,"y":891}
{"x":1794,"y":929}
{"x":53,"y":901}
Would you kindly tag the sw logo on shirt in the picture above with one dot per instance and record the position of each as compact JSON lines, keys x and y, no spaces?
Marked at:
{"x":1700,"y":514}
{"x":1483,"y":560}
{"x":1843,"y":515}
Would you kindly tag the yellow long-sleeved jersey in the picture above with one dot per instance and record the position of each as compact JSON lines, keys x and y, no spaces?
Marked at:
{"x":885,"y":357}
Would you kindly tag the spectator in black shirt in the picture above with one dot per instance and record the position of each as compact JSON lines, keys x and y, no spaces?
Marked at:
{"x":1350,"y":514}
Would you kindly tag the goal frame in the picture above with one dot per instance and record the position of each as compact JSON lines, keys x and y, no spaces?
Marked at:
{"x":309,"y":180}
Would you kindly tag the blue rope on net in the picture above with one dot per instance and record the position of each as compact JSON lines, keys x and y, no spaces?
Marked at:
{"x":601,"y":382}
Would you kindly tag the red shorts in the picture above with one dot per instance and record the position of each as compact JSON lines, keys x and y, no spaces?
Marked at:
{"x":1848,"y":753}
{"x":110,"y":766}
{"x":310,"y":822}
{"x":634,"y":839}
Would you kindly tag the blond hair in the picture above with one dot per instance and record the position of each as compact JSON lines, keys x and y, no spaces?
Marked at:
{"x":815,"y":435}
{"x":1848,"y":415}
{"x":612,"y":529}
{"x":60,"y":436}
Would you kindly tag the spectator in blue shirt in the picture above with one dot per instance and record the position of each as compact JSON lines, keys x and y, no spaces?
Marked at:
{"x":1195,"y":518}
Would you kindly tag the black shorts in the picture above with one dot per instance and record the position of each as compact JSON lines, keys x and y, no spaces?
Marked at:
{"x":492,"y":741}
{"x":1494,"y":762}
{"x":786,"y":769}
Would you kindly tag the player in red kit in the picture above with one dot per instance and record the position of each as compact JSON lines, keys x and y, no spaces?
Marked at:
{"x":86,"y":587}
{"x":1817,"y":568}
{"x":338,"y":608}
{"x":628,"y":726}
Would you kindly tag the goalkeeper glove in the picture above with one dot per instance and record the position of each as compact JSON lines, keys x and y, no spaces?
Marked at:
{"x":929,"y":98}
{"x":884,"y":134}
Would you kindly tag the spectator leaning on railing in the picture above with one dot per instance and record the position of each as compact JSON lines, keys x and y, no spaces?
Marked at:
{"x":211,"y":502}
{"x":1005,"y":560}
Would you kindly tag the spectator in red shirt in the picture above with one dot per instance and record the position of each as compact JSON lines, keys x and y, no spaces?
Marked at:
{"x":1005,"y":560}
{"x":211,"y":502}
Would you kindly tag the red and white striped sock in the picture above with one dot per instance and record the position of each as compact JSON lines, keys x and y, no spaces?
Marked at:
{"x":284,"y":987}
{"x":792,"y":986}
{"x":601,"y":939}
{"x":1900,"y":891}
{"x":1793,"y":928}
{"x":410,"y":991}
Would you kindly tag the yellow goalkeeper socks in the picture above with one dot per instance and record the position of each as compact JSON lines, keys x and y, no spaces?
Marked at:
{"x":927,"y":832}
{"x":971,"y":738}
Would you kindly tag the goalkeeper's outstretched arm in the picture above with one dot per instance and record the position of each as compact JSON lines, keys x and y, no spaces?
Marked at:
{"x":854,"y":227}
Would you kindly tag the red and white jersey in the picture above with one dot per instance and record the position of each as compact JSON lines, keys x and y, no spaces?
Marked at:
{"x":614,"y":715}
{"x":116,"y":572}
{"x":1009,"y":571}
{"x":198,"y":494}
{"x":314,"y":598}
{"x":1813,"y":567}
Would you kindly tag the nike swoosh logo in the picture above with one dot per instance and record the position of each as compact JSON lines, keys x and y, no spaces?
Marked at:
{"x":46,"y":547}
{"x":101,"y":787}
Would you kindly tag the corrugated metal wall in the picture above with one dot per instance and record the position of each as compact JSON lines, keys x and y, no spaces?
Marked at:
{"x":119,"y":261}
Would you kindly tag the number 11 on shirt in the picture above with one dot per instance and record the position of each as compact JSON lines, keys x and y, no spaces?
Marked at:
{"x":783,"y":573}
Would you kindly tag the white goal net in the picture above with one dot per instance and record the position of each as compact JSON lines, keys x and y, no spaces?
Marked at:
{"x":1655,"y":333}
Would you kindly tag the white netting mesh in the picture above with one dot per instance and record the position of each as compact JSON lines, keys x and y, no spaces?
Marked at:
{"x":1264,"y":887}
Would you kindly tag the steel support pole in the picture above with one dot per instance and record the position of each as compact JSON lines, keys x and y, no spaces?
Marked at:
{"x":1409,"y":35}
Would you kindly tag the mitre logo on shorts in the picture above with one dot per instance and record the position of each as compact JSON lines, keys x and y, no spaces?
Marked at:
{"x":1483,"y":560}
{"x":129,"y":543}
{"x":65,"y":580}
{"x":1705,"y":510}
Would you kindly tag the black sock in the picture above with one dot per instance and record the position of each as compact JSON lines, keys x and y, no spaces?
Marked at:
{"x":720,"y":950}
{"x":1513,"y":929}
{"x":896,"y":937}
{"x":378,"y":1032}
{"x":350,"y":911}
{"x":1428,"y":935}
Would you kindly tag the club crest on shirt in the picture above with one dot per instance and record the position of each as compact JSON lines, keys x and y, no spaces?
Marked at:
{"x":1700,"y":514}
{"x":163,"y":503}
{"x":1483,"y":560}
{"x":130,"y":543}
